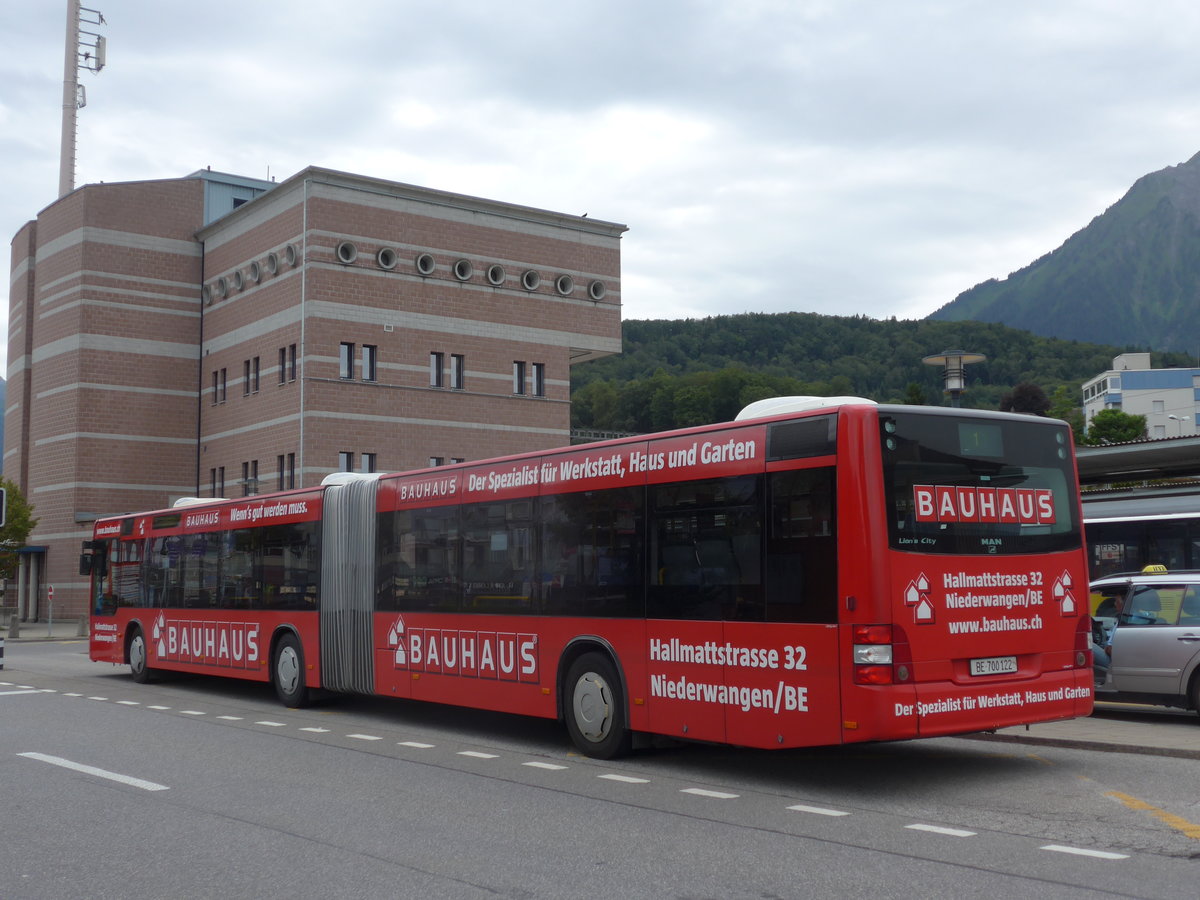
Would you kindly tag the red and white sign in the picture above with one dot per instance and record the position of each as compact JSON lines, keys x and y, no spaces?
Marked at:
{"x":1004,"y":506}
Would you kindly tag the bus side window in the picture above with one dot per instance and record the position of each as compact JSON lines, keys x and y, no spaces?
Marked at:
{"x":801,"y":568}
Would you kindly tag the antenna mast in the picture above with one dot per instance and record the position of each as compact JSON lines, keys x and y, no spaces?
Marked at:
{"x":91,"y":51}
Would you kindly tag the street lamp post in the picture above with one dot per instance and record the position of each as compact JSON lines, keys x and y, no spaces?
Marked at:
{"x":953,"y":362}
{"x":1180,"y":420}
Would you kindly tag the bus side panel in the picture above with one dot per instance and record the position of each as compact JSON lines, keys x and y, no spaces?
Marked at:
{"x":784,"y":685}
{"x":686,"y":679}
{"x":207,"y":642}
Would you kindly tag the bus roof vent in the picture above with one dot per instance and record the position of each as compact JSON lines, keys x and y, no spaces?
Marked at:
{"x":192,"y":501}
{"x":335,"y":478}
{"x":777,"y":406}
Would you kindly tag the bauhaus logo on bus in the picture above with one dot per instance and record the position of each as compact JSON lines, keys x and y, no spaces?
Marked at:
{"x":1003,"y":506}
{"x":232,"y":644}
{"x":504,"y":656}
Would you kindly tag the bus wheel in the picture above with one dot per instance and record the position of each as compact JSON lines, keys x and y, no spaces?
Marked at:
{"x":288,"y":672}
{"x":138,"y":654}
{"x":595,"y":708}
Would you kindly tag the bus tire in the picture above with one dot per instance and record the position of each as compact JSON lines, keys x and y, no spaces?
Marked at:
{"x":138,"y":653}
{"x":287,"y":672}
{"x":595,"y":708}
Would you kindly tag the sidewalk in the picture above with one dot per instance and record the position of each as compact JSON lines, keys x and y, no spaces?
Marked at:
{"x":1113,"y":727}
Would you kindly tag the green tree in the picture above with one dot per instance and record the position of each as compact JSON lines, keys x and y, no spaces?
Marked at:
{"x":1064,"y":405}
{"x":1111,"y":426}
{"x":18,"y":523}
{"x":914,"y":395}
{"x":1027,"y":398}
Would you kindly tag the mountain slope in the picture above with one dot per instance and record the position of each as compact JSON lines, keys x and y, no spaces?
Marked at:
{"x":1130,"y":278}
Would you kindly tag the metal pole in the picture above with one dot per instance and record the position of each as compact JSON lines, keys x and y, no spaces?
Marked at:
{"x":66,"y":156}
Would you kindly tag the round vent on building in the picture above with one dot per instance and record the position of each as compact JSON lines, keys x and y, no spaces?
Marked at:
{"x":564,"y":284}
{"x":597,"y":289}
{"x":531,"y":279}
{"x":425,"y":264}
{"x":221,"y":288}
{"x":346,"y":253}
{"x":255,"y":272}
{"x":495,"y":275}
{"x":207,"y":294}
{"x":272,"y":263}
{"x":463,"y":270}
{"x":290,"y":256}
{"x":386,"y":257}
{"x":236,"y":279}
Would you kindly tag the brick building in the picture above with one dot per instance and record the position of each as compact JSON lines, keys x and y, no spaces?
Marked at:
{"x":216,"y":336}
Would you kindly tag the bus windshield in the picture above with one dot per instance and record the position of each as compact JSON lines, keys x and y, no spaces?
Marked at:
{"x":970,"y":485}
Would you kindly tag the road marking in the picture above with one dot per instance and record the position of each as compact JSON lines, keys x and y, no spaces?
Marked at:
{"x":230,"y":718}
{"x":1079,"y":851}
{"x":553,"y":767}
{"x":97,"y":698}
{"x":13,"y":693}
{"x":128,"y":703}
{"x":99,"y":773}
{"x":192,"y":712}
{"x":72,"y":694}
{"x":158,"y":707}
{"x":1191,"y":829}
{"x":625,"y":779}
{"x":364,"y":737}
{"x":316,"y":730}
{"x":271,"y":724}
{"x":475,"y":754}
{"x":417,"y":744}
{"x":818,"y":810}
{"x":938,"y":829}
{"x":714,"y":795}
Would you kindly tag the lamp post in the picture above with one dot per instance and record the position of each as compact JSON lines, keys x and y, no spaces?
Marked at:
{"x":953,"y":362}
{"x":1180,"y":420}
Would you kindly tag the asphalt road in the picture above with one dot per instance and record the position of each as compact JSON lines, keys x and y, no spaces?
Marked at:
{"x":197,"y":787}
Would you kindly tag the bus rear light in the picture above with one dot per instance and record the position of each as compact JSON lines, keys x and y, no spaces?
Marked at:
{"x":872,"y":654}
{"x":872,"y":634}
{"x":873,"y":675}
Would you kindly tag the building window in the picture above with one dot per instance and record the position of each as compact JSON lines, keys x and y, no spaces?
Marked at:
{"x":346,"y":362}
{"x":539,"y":379}
{"x":437,"y":362}
{"x":435,"y":461}
{"x":370,"y":355}
{"x":368,"y":462}
{"x":215,"y":388}
{"x":279,"y":482}
{"x":291,"y":463}
{"x":1159,"y":406}
{"x":223,"y":386}
{"x":283,"y":365}
{"x":212,"y":474}
{"x":250,"y":478}
{"x":345,"y":461}
{"x":291,"y":362}
{"x":518,"y":377}
{"x":220,"y":481}
{"x":246,"y":378}
{"x":255,"y":374}
{"x":457,"y":459}
{"x":458,"y":371}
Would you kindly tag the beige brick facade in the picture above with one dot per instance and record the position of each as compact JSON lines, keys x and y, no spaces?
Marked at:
{"x":145,"y":346}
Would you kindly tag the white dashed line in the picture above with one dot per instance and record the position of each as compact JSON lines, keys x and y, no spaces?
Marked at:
{"x":128,"y":703}
{"x":625,"y":779}
{"x":72,"y":694}
{"x":1079,"y":851}
{"x":99,"y":773}
{"x":818,"y":810}
{"x":192,"y":712}
{"x":938,"y":829}
{"x":475,"y":754}
{"x":230,"y":718}
{"x":364,"y":737}
{"x":713,"y":795}
{"x":316,"y":730}
{"x":158,"y":707}
{"x":416,"y":744}
{"x":271,"y":724}
{"x":98,"y":698}
{"x":15,"y":693}
{"x":553,"y":767}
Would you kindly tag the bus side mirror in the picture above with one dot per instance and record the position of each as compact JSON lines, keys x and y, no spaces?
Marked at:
{"x":85,"y":564}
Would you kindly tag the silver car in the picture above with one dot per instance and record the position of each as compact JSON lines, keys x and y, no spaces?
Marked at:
{"x":1146,"y":637}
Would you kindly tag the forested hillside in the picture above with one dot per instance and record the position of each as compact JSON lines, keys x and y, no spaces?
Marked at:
{"x":686,"y":372}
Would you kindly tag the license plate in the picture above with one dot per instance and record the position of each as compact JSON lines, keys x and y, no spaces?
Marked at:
{"x":994,"y":665}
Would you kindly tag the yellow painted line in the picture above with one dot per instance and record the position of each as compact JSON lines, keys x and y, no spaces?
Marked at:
{"x":1182,"y":825}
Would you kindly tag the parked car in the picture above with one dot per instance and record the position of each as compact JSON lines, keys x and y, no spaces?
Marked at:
{"x":1146,"y":632}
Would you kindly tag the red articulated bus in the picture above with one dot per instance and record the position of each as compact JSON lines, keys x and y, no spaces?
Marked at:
{"x":820,"y":571}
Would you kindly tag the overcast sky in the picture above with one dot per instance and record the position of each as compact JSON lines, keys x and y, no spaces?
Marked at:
{"x":835,"y":156}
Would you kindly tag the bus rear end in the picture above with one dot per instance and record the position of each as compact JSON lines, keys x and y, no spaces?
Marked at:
{"x":975,"y":618}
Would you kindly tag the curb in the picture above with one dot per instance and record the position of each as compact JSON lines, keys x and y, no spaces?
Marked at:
{"x":1075,"y":744}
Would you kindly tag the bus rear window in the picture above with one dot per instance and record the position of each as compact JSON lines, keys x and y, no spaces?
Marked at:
{"x":966,"y":486}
